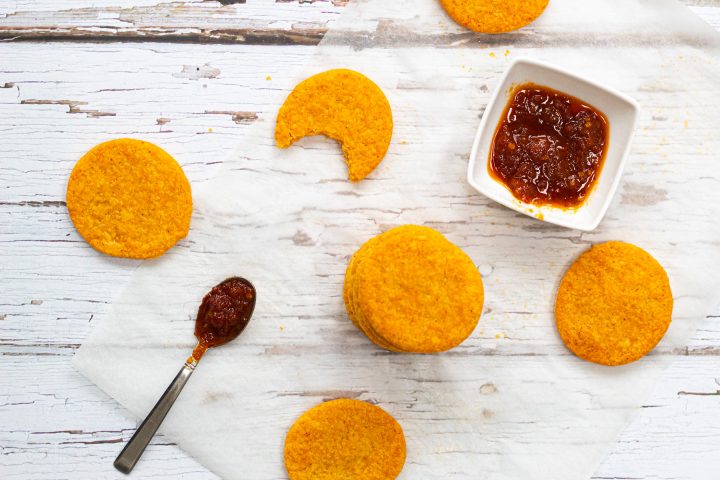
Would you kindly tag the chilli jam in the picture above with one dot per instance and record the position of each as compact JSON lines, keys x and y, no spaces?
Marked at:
{"x":224,"y":312}
{"x":549,"y":147}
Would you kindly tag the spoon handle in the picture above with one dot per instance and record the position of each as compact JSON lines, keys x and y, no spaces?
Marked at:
{"x":136,"y":446}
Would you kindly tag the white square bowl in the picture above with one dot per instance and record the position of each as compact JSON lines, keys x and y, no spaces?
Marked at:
{"x":620,"y":110}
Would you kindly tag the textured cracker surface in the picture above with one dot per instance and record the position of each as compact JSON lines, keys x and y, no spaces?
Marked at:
{"x":129,"y":198}
{"x":345,"y":440}
{"x":411,"y":290}
{"x":494,"y":16}
{"x":345,"y":106}
{"x":349,"y":289}
{"x":614,"y":304}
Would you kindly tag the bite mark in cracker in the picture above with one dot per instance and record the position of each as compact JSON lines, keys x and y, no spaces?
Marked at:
{"x":343,"y":105}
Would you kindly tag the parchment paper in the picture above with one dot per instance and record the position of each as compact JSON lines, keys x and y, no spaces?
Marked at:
{"x":509,"y":403}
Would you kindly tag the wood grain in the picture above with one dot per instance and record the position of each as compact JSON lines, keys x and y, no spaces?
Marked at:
{"x":254,"y":23}
{"x":234,"y":22}
{"x":193,"y":98}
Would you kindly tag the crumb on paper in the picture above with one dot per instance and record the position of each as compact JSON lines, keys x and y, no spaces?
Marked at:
{"x":507,"y":52}
{"x":268,"y":78}
{"x":488,"y":388}
{"x":210,"y":130}
{"x":492,"y":55}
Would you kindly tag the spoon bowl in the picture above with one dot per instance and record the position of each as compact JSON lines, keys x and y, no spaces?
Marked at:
{"x":224,"y":313}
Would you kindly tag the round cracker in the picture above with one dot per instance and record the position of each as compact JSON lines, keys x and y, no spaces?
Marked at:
{"x":349,"y":291}
{"x":415,"y":291}
{"x":129,"y":198}
{"x":614,"y":304}
{"x":494,"y":16}
{"x":345,"y":106}
{"x":365,"y":252}
{"x":345,"y":439}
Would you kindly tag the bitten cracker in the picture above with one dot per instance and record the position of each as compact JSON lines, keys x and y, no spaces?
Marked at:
{"x":345,"y":439}
{"x":614,"y":304}
{"x":129,"y":198}
{"x":345,"y":106}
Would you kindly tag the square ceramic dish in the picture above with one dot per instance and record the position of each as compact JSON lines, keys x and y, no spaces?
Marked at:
{"x":620,"y":110}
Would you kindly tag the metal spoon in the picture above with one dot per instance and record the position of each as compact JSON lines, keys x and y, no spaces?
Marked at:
{"x":223,"y":314}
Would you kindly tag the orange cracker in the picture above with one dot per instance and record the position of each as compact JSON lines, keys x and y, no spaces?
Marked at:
{"x":345,"y":439}
{"x":129,"y":198}
{"x":345,"y":106}
{"x":412,"y":290}
{"x":614,"y":304}
{"x":349,"y":289}
{"x":494,"y":16}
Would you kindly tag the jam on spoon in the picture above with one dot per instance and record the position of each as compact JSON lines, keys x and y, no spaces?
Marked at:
{"x":223,"y":314}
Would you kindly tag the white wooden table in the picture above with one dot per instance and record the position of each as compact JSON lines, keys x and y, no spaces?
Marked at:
{"x":188,"y":75}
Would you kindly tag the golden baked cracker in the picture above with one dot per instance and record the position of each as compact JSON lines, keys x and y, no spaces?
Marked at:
{"x":345,"y":106}
{"x":494,"y":16}
{"x":614,"y":304}
{"x":349,"y":284}
{"x":349,"y":289}
{"x":359,"y":321}
{"x":350,"y":281}
{"x":416,"y":292}
{"x":357,"y":313}
{"x":345,"y":439}
{"x":129,"y":198}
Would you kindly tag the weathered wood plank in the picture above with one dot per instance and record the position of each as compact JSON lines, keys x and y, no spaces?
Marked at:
{"x":255,"y":23}
{"x":261,"y":23}
{"x":194,"y":101}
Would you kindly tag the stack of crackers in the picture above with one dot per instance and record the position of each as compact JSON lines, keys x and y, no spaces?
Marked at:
{"x":412,"y":290}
